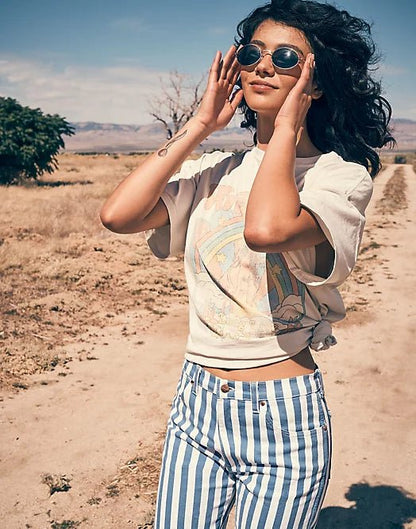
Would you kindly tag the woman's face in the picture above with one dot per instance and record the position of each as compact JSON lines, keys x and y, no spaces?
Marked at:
{"x":267,"y":98}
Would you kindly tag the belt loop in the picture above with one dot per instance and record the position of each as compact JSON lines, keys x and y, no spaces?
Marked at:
{"x":196,"y":377}
{"x":254,"y":397}
{"x":319,"y":381}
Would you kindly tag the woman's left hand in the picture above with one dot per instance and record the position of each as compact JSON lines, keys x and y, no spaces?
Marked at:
{"x":293,"y":112}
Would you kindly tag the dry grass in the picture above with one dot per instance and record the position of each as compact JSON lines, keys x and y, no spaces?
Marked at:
{"x":141,"y":473}
{"x":66,"y":524}
{"x":56,"y":483}
{"x":63,"y":274}
{"x":389,"y":157}
{"x":393,"y":200}
{"x":394,"y":195}
{"x":67,"y":201}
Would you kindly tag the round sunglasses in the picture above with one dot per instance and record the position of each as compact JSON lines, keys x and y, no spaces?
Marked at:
{"x":283,"y":58}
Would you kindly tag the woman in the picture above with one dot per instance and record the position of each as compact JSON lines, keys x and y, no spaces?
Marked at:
{"x":268,"y":235}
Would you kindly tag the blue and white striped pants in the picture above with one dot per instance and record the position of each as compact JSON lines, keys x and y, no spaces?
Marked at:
{"x":263,"y":446}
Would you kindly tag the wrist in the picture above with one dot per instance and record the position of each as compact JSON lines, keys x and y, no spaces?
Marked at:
{"x":285,"y":134}
{"x":283,"y":127}
{"x":203,"y":125}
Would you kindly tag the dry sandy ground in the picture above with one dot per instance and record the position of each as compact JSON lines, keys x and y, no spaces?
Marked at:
{"x":80,"y":448}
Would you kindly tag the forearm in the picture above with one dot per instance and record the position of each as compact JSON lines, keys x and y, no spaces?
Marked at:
{"x":274,"y":202}
{"x":136,"y":196}
{"x":275,"y":221}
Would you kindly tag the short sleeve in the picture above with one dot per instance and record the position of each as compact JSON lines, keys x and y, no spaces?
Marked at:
{"x":336,"y":193}
{"x":178,"y":197}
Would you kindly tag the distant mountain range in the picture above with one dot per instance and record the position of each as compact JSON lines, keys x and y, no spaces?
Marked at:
{"x":109,"y":137}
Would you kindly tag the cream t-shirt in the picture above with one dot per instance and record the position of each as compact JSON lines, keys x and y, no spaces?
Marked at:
{"x":246,"y":308}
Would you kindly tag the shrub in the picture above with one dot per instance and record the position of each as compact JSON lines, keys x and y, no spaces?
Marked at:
{"x":29,"y":141}
{"x":399,"y":158}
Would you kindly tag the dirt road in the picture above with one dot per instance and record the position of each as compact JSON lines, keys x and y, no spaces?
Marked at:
{"x":91,"y":433}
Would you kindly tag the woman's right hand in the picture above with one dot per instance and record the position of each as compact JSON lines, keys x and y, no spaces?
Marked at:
{"x":217,"y":109}
{"x":135,"y":205}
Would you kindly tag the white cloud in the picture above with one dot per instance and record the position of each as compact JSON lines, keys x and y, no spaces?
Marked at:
{"x":218,"y":30}
{"x":116,"y":94}
{"x":111,"y":94}
{"x":129,"y":24}
{"x":391,"y":69}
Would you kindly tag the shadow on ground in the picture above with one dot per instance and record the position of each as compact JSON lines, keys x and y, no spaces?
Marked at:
{"x":375,"y":507}
{"x":59,"y":183}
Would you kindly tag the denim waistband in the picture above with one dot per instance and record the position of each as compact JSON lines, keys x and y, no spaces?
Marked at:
{"x":243,"y":390}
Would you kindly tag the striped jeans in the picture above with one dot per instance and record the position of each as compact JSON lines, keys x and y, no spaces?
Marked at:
{"x":263,"y":446}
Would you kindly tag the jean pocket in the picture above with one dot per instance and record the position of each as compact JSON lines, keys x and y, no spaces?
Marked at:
{"x":298,"y":415}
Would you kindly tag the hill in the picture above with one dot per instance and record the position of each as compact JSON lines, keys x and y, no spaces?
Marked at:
{"x":110,"y":137}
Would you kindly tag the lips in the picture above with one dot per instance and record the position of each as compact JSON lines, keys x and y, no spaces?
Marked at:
{"x":262,"y":85}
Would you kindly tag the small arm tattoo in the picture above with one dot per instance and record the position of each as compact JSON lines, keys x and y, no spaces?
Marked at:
{"x":164,"y":151}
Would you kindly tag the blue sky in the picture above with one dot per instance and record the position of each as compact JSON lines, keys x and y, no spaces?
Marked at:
{"x":102,"y":60}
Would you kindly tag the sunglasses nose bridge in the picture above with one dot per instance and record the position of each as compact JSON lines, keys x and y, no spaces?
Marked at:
{"x":263,"y":53}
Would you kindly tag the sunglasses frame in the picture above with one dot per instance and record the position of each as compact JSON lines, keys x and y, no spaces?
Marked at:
{"x":269,"y":52}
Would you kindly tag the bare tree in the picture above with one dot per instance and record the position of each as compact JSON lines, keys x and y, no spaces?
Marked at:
{"x":179,"y":101}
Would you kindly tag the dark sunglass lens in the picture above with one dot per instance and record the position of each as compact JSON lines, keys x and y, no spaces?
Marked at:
{"x":285,"y":58}
{"x":248,"y":55}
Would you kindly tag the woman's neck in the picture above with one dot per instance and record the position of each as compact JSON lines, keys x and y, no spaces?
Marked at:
{"x":265,"y":130}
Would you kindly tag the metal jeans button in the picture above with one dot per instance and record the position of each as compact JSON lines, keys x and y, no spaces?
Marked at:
{"x":225,"y":388}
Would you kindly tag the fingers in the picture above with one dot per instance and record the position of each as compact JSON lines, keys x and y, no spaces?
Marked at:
{"x":306,"y":77}
{"x":234,"y":75}
{"x":235,"y":70}
{"x":224,"y":73}
{"x":236,"y":99}
{"x":299,"y":135}
{"x":215,"y":68}
{"x":229,"y":62}
{"x":224,"y":68}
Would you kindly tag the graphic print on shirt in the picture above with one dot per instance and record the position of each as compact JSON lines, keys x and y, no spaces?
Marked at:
{"x":286,"y":294}
{"x":239,"y":293}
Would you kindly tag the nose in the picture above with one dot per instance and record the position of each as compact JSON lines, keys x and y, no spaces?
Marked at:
{"x":265,"y":66}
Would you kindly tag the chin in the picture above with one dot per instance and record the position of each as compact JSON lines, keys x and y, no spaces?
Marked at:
{"x":264,"y":108}
{"x":263,"y":103}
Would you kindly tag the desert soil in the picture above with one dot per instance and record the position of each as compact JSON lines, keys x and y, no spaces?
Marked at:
{"x":93,"y":338}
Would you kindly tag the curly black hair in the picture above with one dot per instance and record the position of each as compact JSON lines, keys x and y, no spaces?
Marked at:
{"x":351,"y":117}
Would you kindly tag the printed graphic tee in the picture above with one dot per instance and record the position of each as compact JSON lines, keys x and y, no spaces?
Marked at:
{"x":247,"y":308}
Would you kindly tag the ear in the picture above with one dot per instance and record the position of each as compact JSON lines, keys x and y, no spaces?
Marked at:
{"x":316,"y":92}
{"x":316,"y":89}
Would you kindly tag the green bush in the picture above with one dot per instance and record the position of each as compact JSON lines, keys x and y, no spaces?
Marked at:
{"x":399,"y":158}
{"x":29,"y":141}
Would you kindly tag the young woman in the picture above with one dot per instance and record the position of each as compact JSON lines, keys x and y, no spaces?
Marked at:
{"x":268,"y":235}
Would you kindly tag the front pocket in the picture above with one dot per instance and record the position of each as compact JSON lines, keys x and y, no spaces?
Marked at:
{"x":183,"y":399}
{"x":186,"y":389}
{"x":296,"y":415}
